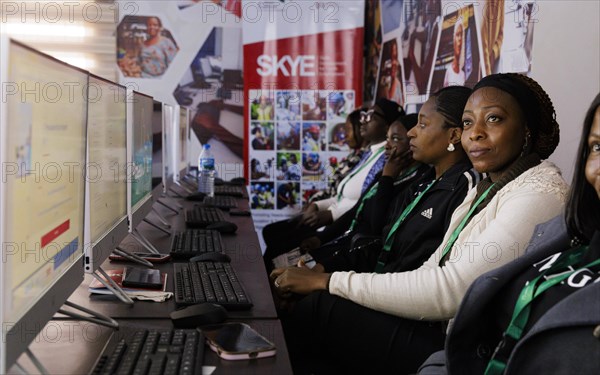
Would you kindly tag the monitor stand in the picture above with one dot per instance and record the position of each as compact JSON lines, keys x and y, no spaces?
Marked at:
{"x":144,"y":241}
{"x":95,"y":317}
{"x":161,"y":218}
{"x":165,"y":231}
{"x":163,"y":203}
{"x":36,"y":362}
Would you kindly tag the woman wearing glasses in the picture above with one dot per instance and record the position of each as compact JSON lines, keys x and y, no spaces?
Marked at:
{"x":283,"y":236}
{"x":382,"y":322}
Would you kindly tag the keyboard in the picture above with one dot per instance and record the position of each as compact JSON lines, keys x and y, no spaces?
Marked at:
{"x":215,"y":282}
{"x":154,"y":352}
{"x":199,"y":217}
{"x":220,"y":201}
{"x":194,"y":242}
{"x":230,"y":190}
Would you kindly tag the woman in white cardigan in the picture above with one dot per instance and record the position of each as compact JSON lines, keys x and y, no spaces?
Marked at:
{"x":376,"y":322}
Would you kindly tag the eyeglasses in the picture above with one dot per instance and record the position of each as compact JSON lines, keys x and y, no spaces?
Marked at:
{"x":366,"y":116}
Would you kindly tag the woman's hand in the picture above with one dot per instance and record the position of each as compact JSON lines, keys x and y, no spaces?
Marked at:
{"x":396,"y":163}
{"x":315,"y":218}
{"x":310,"y":243}
{"x":300,"y":280}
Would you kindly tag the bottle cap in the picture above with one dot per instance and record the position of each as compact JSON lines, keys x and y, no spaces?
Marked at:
{"x":206,"y":146}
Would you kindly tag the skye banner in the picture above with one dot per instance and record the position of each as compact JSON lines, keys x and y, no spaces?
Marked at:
{"x":303,"y":76}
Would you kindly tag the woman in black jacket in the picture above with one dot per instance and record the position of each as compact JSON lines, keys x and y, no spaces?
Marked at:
{"x":541,"y":313}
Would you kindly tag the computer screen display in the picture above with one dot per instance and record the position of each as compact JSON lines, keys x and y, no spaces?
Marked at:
{"x":184,"y":126}
{"x":169,"y":131}
{"x":141,"y":175}
{"x":42,"y":151}
{"x":107,"y":156}
{"x":157,"y":144}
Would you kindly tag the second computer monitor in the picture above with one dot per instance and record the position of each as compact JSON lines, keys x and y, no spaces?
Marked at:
{"x":139,"y":157}
{"x":182,"y":143}
{"x":106,"y":182}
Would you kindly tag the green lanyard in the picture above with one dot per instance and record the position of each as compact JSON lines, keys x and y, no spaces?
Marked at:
{"x":390,"y":237}
{"x":375,"y":155}
{"x":531,"y":291}
{"x":372,"y":192}
{"x":462,"y":224}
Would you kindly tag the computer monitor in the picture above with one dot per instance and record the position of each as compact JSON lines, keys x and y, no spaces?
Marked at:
{"x":163,"y":148}
{"x":158,"y":142}
{"x":106,"y":181}
{"x":42,"y":149}
{"x":182,"y":142}
{"x":139,"y":157}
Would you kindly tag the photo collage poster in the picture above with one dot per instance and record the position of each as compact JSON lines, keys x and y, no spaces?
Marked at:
{"x":425,"y":45}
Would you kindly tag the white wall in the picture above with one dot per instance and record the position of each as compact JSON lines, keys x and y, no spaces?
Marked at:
{"x":566,"y":62}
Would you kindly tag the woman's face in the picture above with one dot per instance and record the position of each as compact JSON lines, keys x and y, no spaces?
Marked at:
{"x":429,"y":139}
{"x":373,"y":126}
{"x":152,"y":27}
{"x":397,"y":139}
{"x":592,"y":166}
{"x":493,"y":130}
{"x":458,"y":40}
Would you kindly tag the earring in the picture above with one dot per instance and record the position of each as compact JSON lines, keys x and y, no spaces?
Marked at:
{"x":526,"y":144}
{"x":451,"y":147}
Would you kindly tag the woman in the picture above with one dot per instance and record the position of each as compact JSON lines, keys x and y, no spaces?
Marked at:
{"x":562,"y":333}
{"x":509,"y":126}
{"x":455,"y":75}
{"x":156,"y":52}
{"x":285,"y":235}
{"x":421,"y":230}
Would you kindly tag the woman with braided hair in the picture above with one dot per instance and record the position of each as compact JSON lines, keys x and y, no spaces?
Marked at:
{"x":373,"y":322}
{"x":541,"y":313}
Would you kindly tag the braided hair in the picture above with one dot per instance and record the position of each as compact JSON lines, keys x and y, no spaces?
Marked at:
{"x":535,"y":105}
{"x":450,"y":102}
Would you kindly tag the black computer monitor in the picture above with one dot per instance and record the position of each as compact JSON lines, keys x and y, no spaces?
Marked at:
{"x":182,"y":143}
{"x":42,"y":151}
{"x":106,"y":193}
{"x":158,"y":138}
{"x":139,"y":157}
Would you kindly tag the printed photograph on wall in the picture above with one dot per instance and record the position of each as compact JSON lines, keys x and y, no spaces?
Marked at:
{"x":288,"y":166}
{"x":458,"y":61}
{"x":337,"y":136}
{"x":314,"y":105}
{"x":288,"y":106}
{"x":262,"y":135}
{"x":288,"y":195}
{"x":262,"y":196}
{"x":507,"y":35}
{"x":389,"y":83}
{"x":373,"y":40}
{"x":339,"y":105}
{"x":233,"y":6}
{"x":313,"y":167}
{"x":288,"y":135}
{"x":145,"y":49}
{"x":313,"y":136}
{"x":212,"y":87}
{"x":390,"y":14}
{"x":419,"y":38}
{"x":262,"y":166}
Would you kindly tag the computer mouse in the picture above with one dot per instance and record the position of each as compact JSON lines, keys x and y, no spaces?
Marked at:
{"x":211,"y":257}
{"x":223,"y":227}
{"x":199,"y":315}
{"x":198,"y":196}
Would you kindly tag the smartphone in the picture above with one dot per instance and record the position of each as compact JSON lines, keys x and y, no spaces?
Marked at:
{"x":237,"y":341}
{"x":134,"y":277}
{"x":151,"y":257}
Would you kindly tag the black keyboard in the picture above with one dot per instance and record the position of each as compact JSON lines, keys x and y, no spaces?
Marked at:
{"x":194,"y":242}
{"x":215,"y":282}
{"x":199,"y":217}
{"x":154,"y":352}
{"x":220,"y":201}
{"x":230,"y":190}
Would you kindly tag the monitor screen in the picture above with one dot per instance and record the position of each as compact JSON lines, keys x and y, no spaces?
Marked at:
{"x":107,"y":156}
{"x":169,"y":131}
{"x":183,"y":138}
{"x":157,"y":144}
{"x":141,"y":175}
{"x":43,"y":132}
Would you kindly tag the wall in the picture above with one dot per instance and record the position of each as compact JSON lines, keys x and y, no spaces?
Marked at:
{"x":566,"y":62}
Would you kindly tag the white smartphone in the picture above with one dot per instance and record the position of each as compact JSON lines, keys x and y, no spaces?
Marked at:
{"x":237,"y":341}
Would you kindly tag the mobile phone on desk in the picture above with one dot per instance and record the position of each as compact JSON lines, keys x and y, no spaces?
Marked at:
{"x":237,"y":341}
{"x":134,"y":277}
{"x":151,"y":257}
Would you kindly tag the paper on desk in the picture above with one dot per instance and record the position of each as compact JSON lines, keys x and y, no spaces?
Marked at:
{"x":150,"y":296}
{"x":207,"y":370}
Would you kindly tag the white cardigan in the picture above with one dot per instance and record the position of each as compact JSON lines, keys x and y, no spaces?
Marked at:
{"x":352,"y":188}
{"x":496,"y":235}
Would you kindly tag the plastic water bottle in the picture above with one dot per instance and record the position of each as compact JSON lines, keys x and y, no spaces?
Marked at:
{"x":206,"y":172}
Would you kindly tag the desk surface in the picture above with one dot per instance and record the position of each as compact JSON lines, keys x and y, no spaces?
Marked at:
{"x":72,"y":347}
{"x":243,"y":248}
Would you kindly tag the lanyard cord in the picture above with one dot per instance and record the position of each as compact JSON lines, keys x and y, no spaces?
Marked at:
{"x":390,"y":237}
{"x":372,"y":192}
{"x":375,"y":155}
{"x":462,"y":224}
{"x":522,"y":310}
